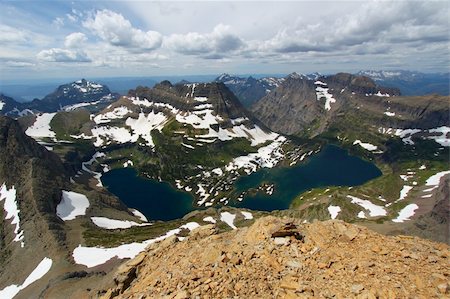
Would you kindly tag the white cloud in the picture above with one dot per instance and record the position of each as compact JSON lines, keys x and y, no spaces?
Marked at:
{"x":75,"y":40}
{"x":118,"y":31}
{"x":220,"y":40}
{"x":58,"y":22}
{"x":63,"y":55}
{"x":19,"y":64}
{"x":381,"y":24}
{"x":11,"y":35}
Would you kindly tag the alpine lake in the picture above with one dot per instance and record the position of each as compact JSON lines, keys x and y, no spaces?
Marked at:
{"x":332,"y":166}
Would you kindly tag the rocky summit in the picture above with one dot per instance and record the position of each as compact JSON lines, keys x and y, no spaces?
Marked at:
{"x":285,"y":258}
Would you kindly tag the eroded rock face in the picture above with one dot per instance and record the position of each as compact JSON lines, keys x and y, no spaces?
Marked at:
{"x":263,"y":261}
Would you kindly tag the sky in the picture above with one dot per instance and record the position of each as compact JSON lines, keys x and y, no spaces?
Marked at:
{"x":59,"y":39}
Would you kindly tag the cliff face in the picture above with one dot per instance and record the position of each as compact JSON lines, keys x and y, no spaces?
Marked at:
{"x":37,"y":175}
{"x":284,"y":258}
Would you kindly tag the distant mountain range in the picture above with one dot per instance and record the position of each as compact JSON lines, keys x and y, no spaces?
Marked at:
{"x":412,"y":83}
{"x":305,"y":107}
{"x":249,"y":90}
{"x":65,"y":97}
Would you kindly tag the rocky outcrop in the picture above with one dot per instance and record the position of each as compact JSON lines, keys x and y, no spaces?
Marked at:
{"x":282,"y":258}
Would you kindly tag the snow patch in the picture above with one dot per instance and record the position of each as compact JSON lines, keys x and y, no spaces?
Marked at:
{"x":107,"y":223}
{"x":374,"y":210}
{"x":406,"y":213}
{"x":404,"y":192}
{"x":12,"y":211}
{"x":209,"y":219}
{"x":41,"y":127}
{"x":128,"y":163}
{"x":267,"y":157}
{"x":367,"y":146}
{"x":228,"y":218}
{"x":94,"y":256}
{"x":334,"y":211}
{"x":72,"y":205}
{"x":117,"y":113}
{"x":322,"y":92}
{"x":41,"y":269}
{"x":139,"y":215}
{"x":247,"y":215}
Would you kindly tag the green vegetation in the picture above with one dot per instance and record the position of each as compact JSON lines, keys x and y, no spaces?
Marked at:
{"x":95,"y":236}
{"x":65,"y":124}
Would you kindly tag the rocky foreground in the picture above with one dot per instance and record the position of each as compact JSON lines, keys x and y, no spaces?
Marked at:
{"x":283,"y":258}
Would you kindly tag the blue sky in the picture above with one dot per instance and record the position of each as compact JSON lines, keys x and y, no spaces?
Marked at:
{"x":59,"y":39}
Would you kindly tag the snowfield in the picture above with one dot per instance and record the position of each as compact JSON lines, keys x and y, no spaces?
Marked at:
{"x":107,"y":223}
{"x":406,"y":213}
{"x":12,"y":211}
{"x":11,"y":291}
{"x":72,"y":205}
{"x":94,"y":256}
{"x":41,"y":127}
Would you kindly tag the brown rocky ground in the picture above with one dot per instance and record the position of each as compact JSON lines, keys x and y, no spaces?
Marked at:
{"x":282,"y":258}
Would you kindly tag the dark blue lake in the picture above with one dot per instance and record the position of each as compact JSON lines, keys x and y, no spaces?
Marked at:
{"x":156,"y":200}
{"x":160,"y":201}
{"x":332,"y":166}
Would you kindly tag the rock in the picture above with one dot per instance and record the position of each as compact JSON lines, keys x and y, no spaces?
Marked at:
{"x":293,"y":264}
{"x":182,"y":295}
{"x":330,"y":261}
{"x":351,"y":233}
{"x":443,"y":288}
{"x":289,"y":283}
{"x":357,"y":288}
{"x":281,"y":241}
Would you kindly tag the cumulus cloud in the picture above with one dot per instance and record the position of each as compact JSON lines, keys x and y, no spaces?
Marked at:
{"x":118,"y":31}
{"x":220,"y":40}
{"x":75,"y":40}
{"x":63,"y":55}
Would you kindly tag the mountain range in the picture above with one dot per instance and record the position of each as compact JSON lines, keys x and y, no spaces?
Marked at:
{"x":412,"y":83}
{"x":78,"y":93}
{"x":60,"y":223}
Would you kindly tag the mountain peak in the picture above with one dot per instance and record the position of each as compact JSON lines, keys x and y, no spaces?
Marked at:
{"x":223,"y":76}
{"x":294,"y":75}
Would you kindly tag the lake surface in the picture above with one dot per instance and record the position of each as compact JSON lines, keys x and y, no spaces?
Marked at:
{"x":156,"y":200}
{"x":332,"y":166}
{"x":160,"y":201}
